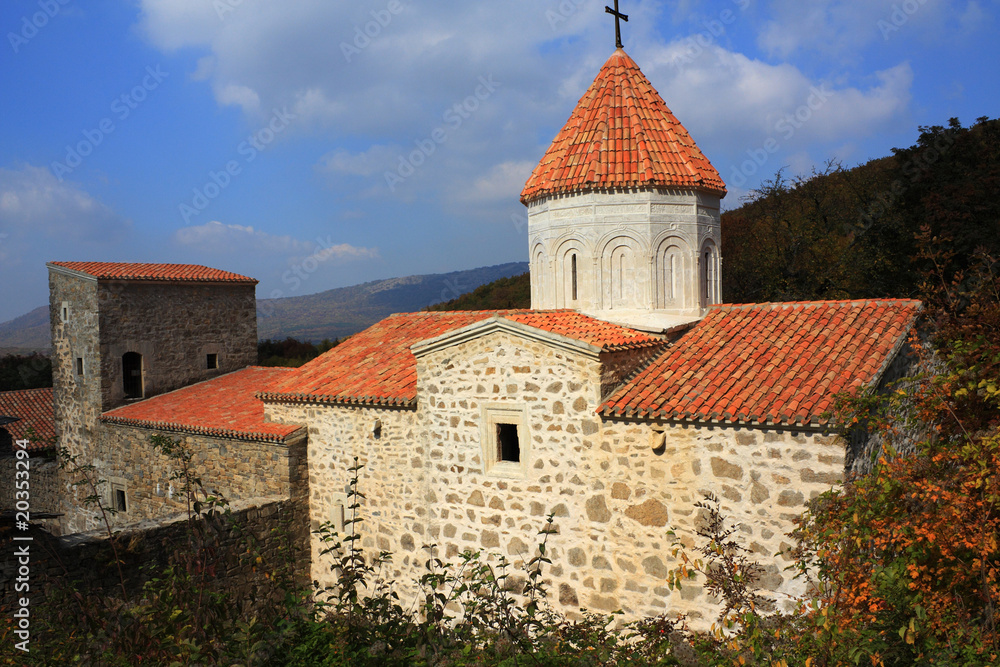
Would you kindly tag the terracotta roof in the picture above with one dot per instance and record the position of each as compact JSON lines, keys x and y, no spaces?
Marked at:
{"x":225,"y":407}
{"x":36,"y":411}
{"x":132,"y":271}
{"x":779,"y":363}
{"x":376,"y":366}
{"x":621,"y":135}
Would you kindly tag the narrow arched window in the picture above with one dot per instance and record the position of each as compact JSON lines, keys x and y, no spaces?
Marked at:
{"x":573,"y":270}
{"x":710,"y":291}
{"x":132,"y":374}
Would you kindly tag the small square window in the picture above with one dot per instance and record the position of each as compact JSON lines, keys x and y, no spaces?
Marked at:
{"x":508,"y":447}
{"x":79,"y":365}
{"x":506,"y":440}
{"x":212,"y":361}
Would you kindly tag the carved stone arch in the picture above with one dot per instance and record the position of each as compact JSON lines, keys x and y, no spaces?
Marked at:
{"x":709,"y":273}
{"x":573,"y":262}
{"x":672,"y":275}
{"x":641,"y":245}
{"x":538,"y":269}
{"x":690,"y":241}
{"x":624,"y":278}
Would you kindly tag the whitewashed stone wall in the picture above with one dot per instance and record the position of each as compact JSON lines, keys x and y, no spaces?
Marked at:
{"x":634,"y":250}
{"x":613,"y":496}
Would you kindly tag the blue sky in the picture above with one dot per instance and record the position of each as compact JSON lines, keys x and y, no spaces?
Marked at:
{"x":316,"y":143}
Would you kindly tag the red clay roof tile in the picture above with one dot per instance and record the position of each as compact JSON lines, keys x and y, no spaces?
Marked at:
{"x":133,"y":271}
{"x":775,"y":363}
{"x":621,"y":134}
{"x":226,"y":406}
{"x":376,"y":366}
{"x":35,"y":409}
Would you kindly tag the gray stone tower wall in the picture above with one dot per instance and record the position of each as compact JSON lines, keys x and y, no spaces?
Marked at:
{"x":73,"y":313}
{"x":174,"y":327}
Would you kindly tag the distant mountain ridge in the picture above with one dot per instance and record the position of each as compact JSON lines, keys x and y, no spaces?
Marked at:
{"x":341,"y":312}
{"x":335,"y":313}
{"x":28,"y":333}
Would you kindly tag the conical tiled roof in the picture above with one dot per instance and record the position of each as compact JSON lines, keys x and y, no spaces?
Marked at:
{"x":620,"y":135}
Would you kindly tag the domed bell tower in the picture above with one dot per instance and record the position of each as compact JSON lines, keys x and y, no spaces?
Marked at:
{"x":623,"y":210}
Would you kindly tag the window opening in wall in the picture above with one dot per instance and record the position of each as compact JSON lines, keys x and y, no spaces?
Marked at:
{"x":132,"y":374}
{"x":508,"y":446}
{"x":212,"y":361}
{"x":338,"y":512}
{"x":573,"y":262}
{"x":79,"y":365}
{"x":621,"y":277}
{"x":711,"y":277}
{"x":119,"y":500}
{"x":707,"y":274}
{"x":64,"y":312}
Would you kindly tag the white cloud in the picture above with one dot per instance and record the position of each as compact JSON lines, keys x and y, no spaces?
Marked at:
{"x":351,"y":73}
{"x":372,"y":161}
{"x":238,"y":95}
{"x":973,"y":18}
{"x":346,"y":251}
{"x":43,"y":219}
{"x":203,"y":70}
{"x":218,"y":238}
{"x":736,"y":100}
{"x":222,"y":238}
{"x":820,"y":25}
{"x":173,"y":24}
{"x":503,"y":182}
{"x":330,"y":61}
{"x":34,"y":202}
{"x":314,"y":106}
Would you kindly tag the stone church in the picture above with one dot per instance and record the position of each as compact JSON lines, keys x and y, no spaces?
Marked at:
{"x":616,"y":402}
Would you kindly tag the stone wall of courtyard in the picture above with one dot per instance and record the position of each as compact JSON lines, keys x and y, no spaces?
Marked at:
{"x":227,"y":467}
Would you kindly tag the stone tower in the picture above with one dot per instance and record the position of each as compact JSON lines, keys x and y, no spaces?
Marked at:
{"x":125,"y":332}
{"x":623,"y":210}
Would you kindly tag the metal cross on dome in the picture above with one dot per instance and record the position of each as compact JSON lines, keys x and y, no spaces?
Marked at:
{"x":618,"y":26}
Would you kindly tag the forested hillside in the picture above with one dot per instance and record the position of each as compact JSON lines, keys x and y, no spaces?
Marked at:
{"x":513,"y":292}
{"x":871,"y":231}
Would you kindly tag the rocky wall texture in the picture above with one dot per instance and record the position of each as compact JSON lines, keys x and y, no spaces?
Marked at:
{"x":76,"y":396}
{"x":233,"y":469}
{"x":614,"y":490}
{"x":617,"y":367}
{"x":44,"y":487}
{"x":175,"y":327}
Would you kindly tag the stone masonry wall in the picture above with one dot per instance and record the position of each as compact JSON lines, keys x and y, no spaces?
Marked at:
{"x":233,"y":469}
{"x":392,"y":479}
{"x":614,"y":496}
{"x":174,"y":327}
{"x":43,"y":486}
{"x":77,"y":398}
{"x":762,"y":478}
{"x":617,"y":367}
